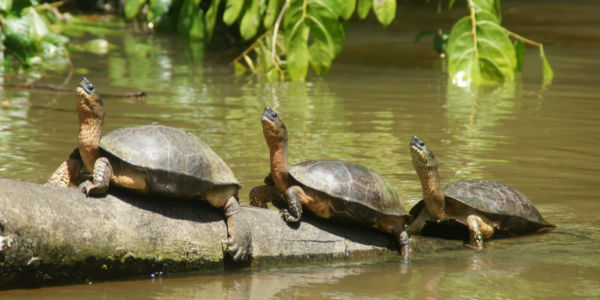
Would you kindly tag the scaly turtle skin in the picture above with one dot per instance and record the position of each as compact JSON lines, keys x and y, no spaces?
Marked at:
{"x":483,"y":206}
{"x":153,"y":159}
{"x":328,"y":188}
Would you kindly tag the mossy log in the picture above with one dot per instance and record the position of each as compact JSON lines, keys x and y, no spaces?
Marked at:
{"x":57,"y":235}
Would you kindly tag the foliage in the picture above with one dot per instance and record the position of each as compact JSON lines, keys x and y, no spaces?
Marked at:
{"x":480,"y":51}
{"x":27,"y":38}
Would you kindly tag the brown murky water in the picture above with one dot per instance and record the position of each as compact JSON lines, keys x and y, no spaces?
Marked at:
{"x":542,"y":140}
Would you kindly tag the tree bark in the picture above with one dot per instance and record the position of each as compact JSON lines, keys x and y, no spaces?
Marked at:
{"x":57,"y":235}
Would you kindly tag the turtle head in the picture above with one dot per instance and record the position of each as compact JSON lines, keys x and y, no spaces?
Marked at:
{"x":88,"y":98}
{"x":422,"y":157}
{"x":273,"y":128}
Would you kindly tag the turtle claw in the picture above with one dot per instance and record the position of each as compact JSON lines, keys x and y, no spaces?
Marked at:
{"x":288,"y":217}
{"x":239,"y":243}
{"x":236,"y":251}
{"x":85,"y":187}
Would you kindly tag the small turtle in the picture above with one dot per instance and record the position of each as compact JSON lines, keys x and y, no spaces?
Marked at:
{"x":483,"y":206}
{"x":328,"y":188}
{"x":152,"y":159}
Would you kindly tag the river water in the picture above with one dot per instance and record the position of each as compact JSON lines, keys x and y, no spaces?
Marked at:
{"x":541,"y":139}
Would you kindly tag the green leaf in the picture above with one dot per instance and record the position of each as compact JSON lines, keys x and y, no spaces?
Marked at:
{"x":548,"y":73}
{"x":272,"y":12}
{"x":451,"y":4}
{"x":197,"y":31}
{"x":211,"y":17}
{"x":132,"y":8}
{"x":186,"y":17}
{"x":38,"y":26}
{"x":484,"y":5}
{"x":320,"y":55}
{"x":348,"y":7}
{"x":239,"y":69}
{"x":5,"y":5}
{"x":486,"y":56}
{"x":232,"y":10}
{"x":158,"y":8}
{"x":250,"y":21}
{"x":363,"y":8}
{"x":385,"y":11}
{"x":297,"y":51}
{"x":520,"y":52}
{"x":97,"y":46}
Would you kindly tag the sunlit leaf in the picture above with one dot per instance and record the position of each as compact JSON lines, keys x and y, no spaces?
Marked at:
{"x":158,"y":8}
{"x":5,"y":5}
{"x":484,"y":5}
{"x":348,"y":7}
{"x":487,"y":55}
{"x":364,"y":6}
{"x":197,"y":31}
{"x":320,"y":55}
{"x":239,"y":69}
{"x":132,"y":8}
{"x":211,"y":17}
{"x":272,"y":12}
{"x":232,"y":10}
{"x":186,"y":17}
{"x":250,"y":21}
{"x":520,"y":52}
{"x":38,"y":26}
{"x":272,"y":74}
{"x":548,"y":73}
{"x":297,"y":50}
{"x":385,"y":11}
{"x":97,"y":46}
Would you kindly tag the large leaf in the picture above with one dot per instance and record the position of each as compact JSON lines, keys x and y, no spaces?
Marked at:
{"x":385,"y":11}
{"x":348,"y":7}
{"x":297,"y":50}
{"x":363,"y":8}
{"x":132,"y":8}
{"x":157,"y":9}
{"x":197,"y":31}
{"x":520,"y":52}
{"x":5,"y":5}
{"x":320,"y":53}
{"x":211,"y":17}
{"x":272,"y":12}
{"x":233,"y":8}
{"x":187,"y":12}
{"x":250,"y":21}
{"x":38,"y":26}
{"x":477,"y":58}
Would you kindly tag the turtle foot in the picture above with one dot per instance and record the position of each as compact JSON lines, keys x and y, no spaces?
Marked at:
{"x":288,"y":217}
{"x":239,"y":243}
{"x":92,"y":189}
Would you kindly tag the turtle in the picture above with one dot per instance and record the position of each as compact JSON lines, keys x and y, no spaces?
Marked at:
{"x":484,"y":207}
{"x":333,"y":189}
{"x":155,"y":160}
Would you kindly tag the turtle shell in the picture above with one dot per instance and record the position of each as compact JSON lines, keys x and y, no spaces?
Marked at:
{"x":175,"y":162}
{"x":514,"y":211}
{"x":354,"y":188}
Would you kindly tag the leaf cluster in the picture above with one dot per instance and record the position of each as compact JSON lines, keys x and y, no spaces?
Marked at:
{"x":27,"y":38}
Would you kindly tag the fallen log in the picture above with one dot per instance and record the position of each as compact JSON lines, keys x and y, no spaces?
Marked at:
{"x":56,"y":235}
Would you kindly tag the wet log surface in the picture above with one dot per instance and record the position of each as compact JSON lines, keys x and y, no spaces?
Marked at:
{"x":57,"y":235}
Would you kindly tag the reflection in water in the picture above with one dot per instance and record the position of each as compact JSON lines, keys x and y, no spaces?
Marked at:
{"x":543,"y":143}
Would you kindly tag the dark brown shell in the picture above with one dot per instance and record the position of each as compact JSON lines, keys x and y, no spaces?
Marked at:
{"x":498,"y":201}
{"x":351,"y":185}
{"x":176,"y":162}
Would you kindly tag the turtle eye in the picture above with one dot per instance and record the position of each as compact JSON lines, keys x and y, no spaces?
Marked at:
{"x":273,"y":115}
{"x":421,"y":143}
{"x":89,"y":87}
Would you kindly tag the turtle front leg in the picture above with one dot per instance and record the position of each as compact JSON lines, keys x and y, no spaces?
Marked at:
{"x":295,"y":197}
{"x":261,"y":195}
{"x":239,"y":241}
{"x":478,"y":229}
{"x":404,"y":242}
{"x":67,"y":172}
{"x":100,"y":179}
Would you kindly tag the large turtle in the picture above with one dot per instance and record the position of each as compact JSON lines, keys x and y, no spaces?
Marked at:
{"x":483,"y":206}
{"x":152,"y":159}
{"x":328,"y":188}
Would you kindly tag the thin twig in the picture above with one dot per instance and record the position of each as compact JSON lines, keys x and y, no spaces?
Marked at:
{"x":473,"y":27}
{"x":522,"y":39}
{"x":274,"y":46}
{"x":250,"y":48}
